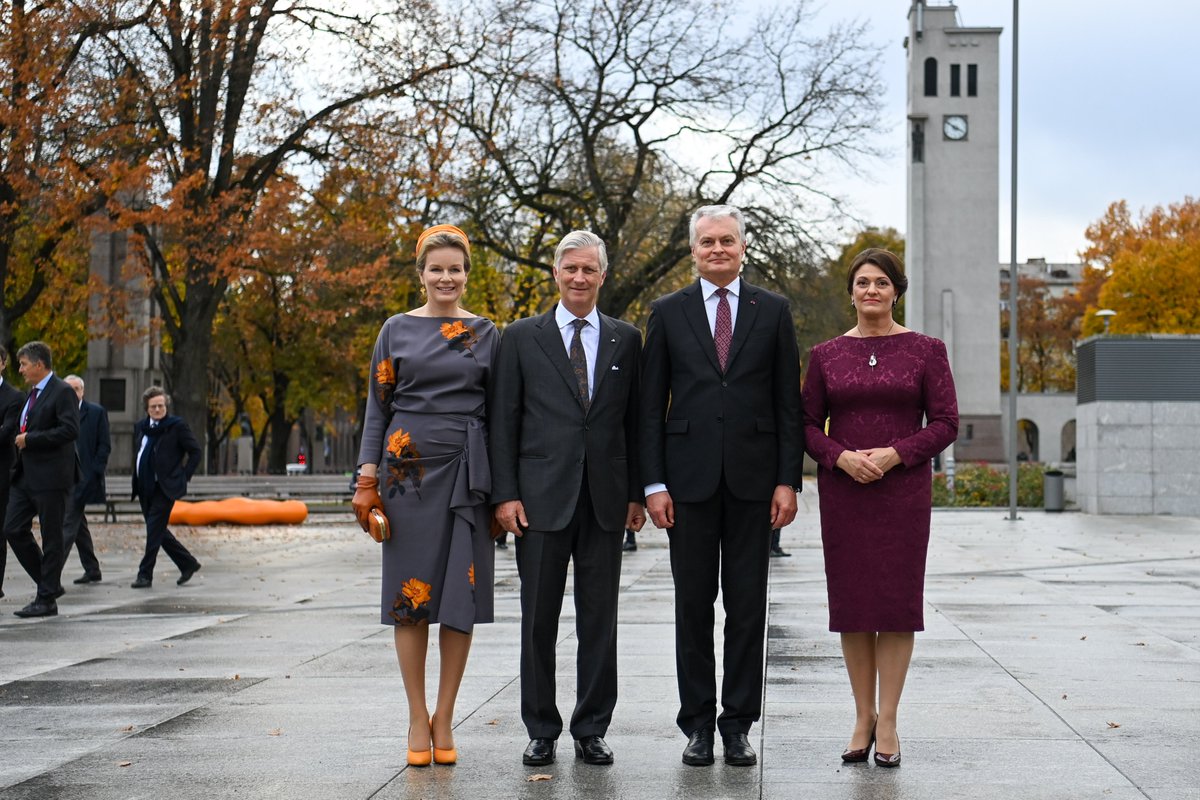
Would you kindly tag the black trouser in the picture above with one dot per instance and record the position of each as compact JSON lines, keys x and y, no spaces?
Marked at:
{"x":157,"y":511}
{"x":43,"y":564}
{"x":76,"y":533}
{"x":542,"y":559}
{"x":726,"y":539}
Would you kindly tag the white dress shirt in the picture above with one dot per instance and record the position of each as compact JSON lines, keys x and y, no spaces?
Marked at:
{"x":41,"y":388}
{"x":589,"y":337}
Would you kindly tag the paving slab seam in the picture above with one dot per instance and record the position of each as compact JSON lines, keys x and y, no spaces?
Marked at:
{"x":1018,"y":571}
{"x":1044,"y":704}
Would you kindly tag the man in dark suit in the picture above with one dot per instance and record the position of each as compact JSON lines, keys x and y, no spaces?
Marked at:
{"x":42,"y":479}
{"x":166,"y":455}
{"x":562,"y":410}
{"x":721,"y":451}
{"x":93,"y":447}
{"x":12,"y":400}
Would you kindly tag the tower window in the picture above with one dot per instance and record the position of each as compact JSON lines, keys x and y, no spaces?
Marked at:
{"x":955,"y":80}
{"x":972,"y":80}
{"x":931,"y":77}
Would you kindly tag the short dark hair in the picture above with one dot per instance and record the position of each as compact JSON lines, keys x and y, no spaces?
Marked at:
{"x":155,"y":391}
{"x":887,"y":261}
{"x":3,"y":355}
{"x":37,"y":351}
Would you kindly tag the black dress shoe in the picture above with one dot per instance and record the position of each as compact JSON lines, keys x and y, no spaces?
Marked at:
{"x":699,"y":750}
{"x":187,"y":574}
{"x":88,"y":579}
{"x":539,"y":753}
{"x":738,"y":752}
{"x":141,"y":583}
{"x":630,"y":546}
{"x":39,"y":608}
{"x":779,"y":552}
{"x":593,"y":750}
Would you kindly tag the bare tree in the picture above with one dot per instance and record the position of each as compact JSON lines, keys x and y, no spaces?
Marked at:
{"x":235,"y":92}
{"x":621,"y":116}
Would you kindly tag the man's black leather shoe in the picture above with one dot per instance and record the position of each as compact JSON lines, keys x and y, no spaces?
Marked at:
{"x":39,"y":608}
{"x":187,"y":574}
{"x":593,"y":750}
{"x":141,"y":583}
{"x":539,"y":753}
{"x":699,"y":750}
{"x":88,"y":579}
{"x":738,"y":752}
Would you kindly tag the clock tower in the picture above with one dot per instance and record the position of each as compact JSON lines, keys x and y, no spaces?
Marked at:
{"x":953,"y":229}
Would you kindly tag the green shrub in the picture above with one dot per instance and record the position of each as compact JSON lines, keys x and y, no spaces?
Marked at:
{"x":977,"y":484}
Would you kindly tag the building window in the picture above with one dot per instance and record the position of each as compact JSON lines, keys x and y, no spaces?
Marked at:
{"x":955,"y":80}
{"x":112,"y":394}
{"x":931,"y":77}
{"x":918,"y":143}
{"x":972,"y":80}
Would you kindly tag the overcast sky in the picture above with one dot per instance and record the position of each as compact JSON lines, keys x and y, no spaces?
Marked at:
{"x":1109,"y":110}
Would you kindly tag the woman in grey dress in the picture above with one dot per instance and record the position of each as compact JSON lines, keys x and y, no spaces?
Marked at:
{"x":423,"y":461}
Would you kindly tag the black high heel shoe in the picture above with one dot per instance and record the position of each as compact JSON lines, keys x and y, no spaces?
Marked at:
{"x":889,"y":759}
{"x":860,"y":756}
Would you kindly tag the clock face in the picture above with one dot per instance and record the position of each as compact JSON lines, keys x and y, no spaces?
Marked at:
{"x":954,"y":127}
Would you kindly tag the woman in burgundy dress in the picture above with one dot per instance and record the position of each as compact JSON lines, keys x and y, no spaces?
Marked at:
{"x":888,"y":396}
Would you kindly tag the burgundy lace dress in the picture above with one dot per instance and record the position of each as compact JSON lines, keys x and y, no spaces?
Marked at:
{"x":876,"y":535}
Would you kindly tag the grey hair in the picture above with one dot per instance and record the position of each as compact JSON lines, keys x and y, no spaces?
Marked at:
{"x":578,"y":240}
{"x":74,"y":377}
{"x":717,"y":212}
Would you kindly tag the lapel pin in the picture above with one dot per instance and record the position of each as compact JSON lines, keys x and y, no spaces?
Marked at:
{"x":616,"y":368}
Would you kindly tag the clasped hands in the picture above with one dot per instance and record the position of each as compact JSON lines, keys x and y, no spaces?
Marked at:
{"x":868,"y":466}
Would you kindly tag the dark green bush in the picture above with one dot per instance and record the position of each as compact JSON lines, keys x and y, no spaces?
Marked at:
{"x":978,"y":484}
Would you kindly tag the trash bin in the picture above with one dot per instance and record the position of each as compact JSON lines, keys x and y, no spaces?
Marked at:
{"x":1052,"y":490}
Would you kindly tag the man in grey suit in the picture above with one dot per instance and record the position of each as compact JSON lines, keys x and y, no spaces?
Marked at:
{"x":562,"y":413}
{"x":721,"y":454}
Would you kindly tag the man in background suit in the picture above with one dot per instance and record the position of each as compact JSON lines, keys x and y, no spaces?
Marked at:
{"x":45,"y":473}
{"x":12,"y":400}
{"x":562,"y":413}
{"x":165,"y":458}
{"x":93,"y":447}
{"x":721,"y":451}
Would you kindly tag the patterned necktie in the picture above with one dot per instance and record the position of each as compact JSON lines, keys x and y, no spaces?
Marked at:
{"x":579,"y":364}
{"x":723,"y":334}
{"x":33,"y":396}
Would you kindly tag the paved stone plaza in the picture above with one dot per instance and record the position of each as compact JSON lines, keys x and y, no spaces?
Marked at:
{"x":1061,"y":660}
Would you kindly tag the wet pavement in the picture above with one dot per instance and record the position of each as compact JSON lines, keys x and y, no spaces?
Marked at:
{"x":1061,"y":659}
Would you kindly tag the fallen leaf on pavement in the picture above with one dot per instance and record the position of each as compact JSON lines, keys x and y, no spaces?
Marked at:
{"x":127,"y":729}
{"x":275,"y":732}
{"x":1114,"y":724}
{"x":539,"y":776}
{"x":124,"y":763}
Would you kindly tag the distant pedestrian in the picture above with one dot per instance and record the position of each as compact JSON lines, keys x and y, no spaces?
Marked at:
{"x":93,"y":447}
{"x":44,"y":475}
{"x":777,"y":550}
{"x":12,"y":400}
{"x":166,"y":456}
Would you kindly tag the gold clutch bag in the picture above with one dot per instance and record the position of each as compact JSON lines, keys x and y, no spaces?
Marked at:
{"x":377,"y":526}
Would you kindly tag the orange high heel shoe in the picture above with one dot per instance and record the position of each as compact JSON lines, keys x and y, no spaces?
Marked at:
{"x":418,"y":758}
{"x":443,"y":755}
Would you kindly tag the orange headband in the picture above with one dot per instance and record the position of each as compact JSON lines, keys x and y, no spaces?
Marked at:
{"x":451,"y":229}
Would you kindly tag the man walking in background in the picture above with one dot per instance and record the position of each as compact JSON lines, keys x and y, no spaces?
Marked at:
{"x":93,"y":447}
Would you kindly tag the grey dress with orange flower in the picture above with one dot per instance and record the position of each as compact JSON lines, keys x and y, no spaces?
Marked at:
{"x":425,"y":427}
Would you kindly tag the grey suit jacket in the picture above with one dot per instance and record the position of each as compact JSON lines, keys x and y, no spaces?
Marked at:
{"x":541,"y":439}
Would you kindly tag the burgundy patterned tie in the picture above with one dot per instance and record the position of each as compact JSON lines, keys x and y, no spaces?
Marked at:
{"x":723,"y":334}
{"x":33,"y":395}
